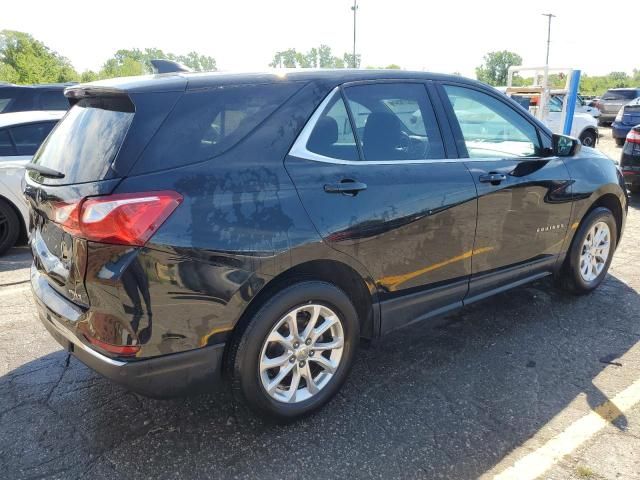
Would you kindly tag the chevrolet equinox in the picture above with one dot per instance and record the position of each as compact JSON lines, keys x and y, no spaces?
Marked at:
{"x":188,"y":228}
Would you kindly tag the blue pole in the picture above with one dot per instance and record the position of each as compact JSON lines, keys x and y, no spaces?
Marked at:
{"x":572,"y":96}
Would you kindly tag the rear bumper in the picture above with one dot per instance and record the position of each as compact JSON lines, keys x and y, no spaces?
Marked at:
{"x":619,"y":130}
{"x":161,"y":377}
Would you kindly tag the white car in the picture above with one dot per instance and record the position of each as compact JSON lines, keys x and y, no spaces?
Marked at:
{"x":584,"y":126}
{"x":21,"y":134}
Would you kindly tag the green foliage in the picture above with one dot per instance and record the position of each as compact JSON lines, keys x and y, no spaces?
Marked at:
{"x":321,"y":57}
{"x":23,"y":59}
{"x":391,"y":66}
{"x":494,"y":70}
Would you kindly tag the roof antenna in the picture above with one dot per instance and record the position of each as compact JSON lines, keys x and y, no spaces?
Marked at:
{"x":161,"y":65}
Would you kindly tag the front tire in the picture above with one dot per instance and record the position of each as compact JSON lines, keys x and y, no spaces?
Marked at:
{"x":9,"y":227}
{"x":295,"y":352}
{"x":591,"y":252}
{"x":589,"y":138}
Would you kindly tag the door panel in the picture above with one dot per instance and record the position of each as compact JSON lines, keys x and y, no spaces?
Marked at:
{"x":524,"y":204}
{"x":412,"y":226}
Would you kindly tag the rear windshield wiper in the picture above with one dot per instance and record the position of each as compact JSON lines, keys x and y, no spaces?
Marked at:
{"x":44,"y":171}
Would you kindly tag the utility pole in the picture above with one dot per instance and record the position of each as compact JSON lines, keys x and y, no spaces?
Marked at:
{"x":550,"y":16}
{"x":354,"y":8}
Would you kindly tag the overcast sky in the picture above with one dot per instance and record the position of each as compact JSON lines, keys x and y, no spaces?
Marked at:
{"x":436,"y":35}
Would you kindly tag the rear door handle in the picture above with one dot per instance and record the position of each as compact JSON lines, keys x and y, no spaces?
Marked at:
{"x":492,"y":178}
{"x":347,"y":187}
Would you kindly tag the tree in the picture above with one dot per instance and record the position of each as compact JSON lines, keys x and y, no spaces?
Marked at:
{"x":316,"y":57}
{"x":126,"y":62}
{"x":494,"y":69}
{"x":23,"y":59}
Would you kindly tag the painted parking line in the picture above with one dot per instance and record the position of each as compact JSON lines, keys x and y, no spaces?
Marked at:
{"x":539,"y":461}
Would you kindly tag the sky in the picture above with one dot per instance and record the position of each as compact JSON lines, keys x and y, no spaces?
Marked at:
{"x":243,"y":35}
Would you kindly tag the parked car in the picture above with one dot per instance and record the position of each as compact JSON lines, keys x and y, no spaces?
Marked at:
{"x":584,"y":126}
{"x":20,"y":136}
{"x":613,"y":100}
{"x":254,"y":227}
{"x":627,"y":118}
{"x":24,"y":98}
{"x":630,"y":160}
{"x":582,"y":105}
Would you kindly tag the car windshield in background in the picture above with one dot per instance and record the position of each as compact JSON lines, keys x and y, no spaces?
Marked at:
{"x":87,"y":140}
{"x":620,"y":95}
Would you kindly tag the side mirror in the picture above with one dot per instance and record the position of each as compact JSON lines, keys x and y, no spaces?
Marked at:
{"x":564,"y":146}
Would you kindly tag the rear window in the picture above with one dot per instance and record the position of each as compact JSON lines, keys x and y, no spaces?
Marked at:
{"x":620,"y":95}
{"x":86,"y":141}
{"x":53,"y":100}
{"x":205,"y":123}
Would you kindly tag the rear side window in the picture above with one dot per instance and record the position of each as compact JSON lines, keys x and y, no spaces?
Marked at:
{"x":53,"y":100}
{"x":86,"y":141}
{"x":332,"y":135}
{"x":395,"y":121}
{"x":620,"y":95}
{"x":27,"y":138}
{"x":6,"y":147}
{"x":205,"y":123}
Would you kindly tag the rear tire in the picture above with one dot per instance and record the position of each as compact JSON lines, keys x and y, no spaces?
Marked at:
{"x":589,"y":138}
{"x":269,"y":339}
{"x":591,"y":252}
{"x":9,"y":227}
{"x":620,"y":142}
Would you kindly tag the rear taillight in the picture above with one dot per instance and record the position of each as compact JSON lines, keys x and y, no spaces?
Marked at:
{"x":633,"y":136}
{"x":123,"y":219}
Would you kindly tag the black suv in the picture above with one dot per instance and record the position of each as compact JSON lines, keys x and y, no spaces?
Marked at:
{"x":24,"y":98}
{"x":187,"y":227}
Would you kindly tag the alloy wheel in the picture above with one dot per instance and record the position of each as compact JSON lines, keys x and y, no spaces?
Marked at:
{"x":595,"y":251}
{"x":301,"y":353}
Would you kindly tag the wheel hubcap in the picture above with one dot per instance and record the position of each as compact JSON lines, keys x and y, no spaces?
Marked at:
{"x":301,"y":353}
{"x":595,"y":251}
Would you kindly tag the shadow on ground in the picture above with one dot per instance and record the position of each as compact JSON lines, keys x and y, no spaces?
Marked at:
{"x":446,"y":402}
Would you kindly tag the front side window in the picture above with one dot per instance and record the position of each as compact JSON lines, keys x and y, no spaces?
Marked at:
{"x":395,"y":121}
{"x":28,"y":138}
{"x":492,"y":128}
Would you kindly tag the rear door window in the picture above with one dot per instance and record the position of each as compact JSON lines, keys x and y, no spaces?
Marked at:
{"x":86,"y":141}
{"x":27,"y":138}
{"x":205,"y":123}
{"x":620,"y":95}
{"x":332,"y":135}
{"x":395,"y":121}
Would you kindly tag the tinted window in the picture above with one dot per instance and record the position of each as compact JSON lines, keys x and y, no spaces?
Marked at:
{"x":4,"y":103}
{"x":87,"y":139}
{"x":395,"y":121}
{"x":28,"y":138}
{"x":490,"y":127}
{"x":53,"y":100}
{"x":205,"y":123}
{"x":620,"y":95}
{"x":332,"y":135}
{"x":6,"y":147}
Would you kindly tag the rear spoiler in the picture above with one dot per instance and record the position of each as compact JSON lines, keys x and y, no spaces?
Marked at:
{"x":75,"y":93}
{"x":168,"y":66}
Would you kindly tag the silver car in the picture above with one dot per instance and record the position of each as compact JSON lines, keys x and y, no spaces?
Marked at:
{"x":613,"y":100}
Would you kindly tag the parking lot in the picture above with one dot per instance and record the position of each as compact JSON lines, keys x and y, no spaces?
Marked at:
{"x":493,"y":389}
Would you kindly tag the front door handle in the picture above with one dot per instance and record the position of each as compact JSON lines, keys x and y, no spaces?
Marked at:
{"x":493,"y":178}
{"x":346,"y":187}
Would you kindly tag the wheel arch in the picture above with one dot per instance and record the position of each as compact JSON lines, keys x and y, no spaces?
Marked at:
{"x":331,"y":271}
{"x":612,"y":203}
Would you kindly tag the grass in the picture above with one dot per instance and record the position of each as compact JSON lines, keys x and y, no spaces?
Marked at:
{"x":584,"y":472}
